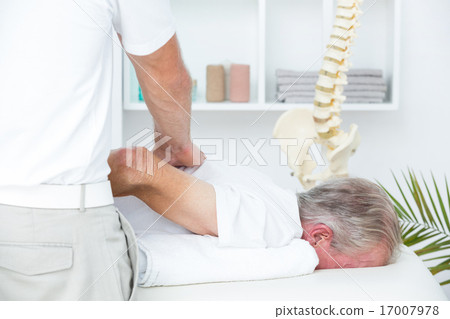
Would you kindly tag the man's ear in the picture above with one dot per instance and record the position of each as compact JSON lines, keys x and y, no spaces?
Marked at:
{"x":319,"y":235}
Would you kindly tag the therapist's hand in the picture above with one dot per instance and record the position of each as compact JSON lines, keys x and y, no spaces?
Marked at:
{"x":188,"y":155}
{"x":132,"y":168}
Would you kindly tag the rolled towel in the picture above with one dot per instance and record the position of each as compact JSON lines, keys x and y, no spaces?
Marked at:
{"x":349,"y":100}
{"x":168,"y":260}
{"x":215,"y":83}
{"x":240,"y":83}
{"x":347,"y":88}
{"x":351,"y":72}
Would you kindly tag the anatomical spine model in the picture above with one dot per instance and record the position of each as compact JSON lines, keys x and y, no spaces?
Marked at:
{"x":322,"y":125}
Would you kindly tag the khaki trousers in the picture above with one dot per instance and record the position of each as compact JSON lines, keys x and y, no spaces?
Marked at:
{"x":66,"y":254}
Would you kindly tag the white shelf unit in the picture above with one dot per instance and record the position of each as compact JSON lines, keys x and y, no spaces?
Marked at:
{"x":271,"y":34}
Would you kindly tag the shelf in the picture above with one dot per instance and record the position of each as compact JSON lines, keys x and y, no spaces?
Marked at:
{"x":277,"y":107}
{"x":272,"y":34}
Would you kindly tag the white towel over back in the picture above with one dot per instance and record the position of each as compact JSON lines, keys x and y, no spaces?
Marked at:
{"x":180,"y":259}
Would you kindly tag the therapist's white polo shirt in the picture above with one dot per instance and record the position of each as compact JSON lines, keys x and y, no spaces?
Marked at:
{"x":56,"y":82}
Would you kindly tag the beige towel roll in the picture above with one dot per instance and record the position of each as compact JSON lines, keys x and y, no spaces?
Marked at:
{"x":240,"y":83}
{"x":215,"y":83}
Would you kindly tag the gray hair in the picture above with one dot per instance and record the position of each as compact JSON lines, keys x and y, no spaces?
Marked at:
{"x":359,"y":213}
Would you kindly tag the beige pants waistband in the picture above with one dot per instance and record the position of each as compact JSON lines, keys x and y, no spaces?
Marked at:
{"x":58,"y":196}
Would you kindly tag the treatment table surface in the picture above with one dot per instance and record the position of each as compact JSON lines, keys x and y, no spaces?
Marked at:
{"x":407,"y":279}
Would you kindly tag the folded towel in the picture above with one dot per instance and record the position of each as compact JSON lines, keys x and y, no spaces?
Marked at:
{"x":290,"y":73}
{"x":290,"y":80}
{"x":371,"y":94}
{"x":295,"y":100}
{"x":180,"y":259}
{"x":365,"y":72}
{"x":365,"y":80}
{"x":353,"y":72}
{"x":349,"y":100}
{"x":297,"y":87}
{"x":347,"y":88}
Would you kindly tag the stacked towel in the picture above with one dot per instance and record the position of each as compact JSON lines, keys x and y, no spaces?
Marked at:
{"x":364,"y":86}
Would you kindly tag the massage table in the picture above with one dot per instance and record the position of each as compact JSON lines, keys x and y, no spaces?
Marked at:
{"x":406,"y":279}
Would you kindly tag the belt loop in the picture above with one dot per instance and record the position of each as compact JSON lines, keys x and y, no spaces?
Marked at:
{"x":83,"y":198}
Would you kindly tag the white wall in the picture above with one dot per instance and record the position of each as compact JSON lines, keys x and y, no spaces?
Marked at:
{"x":414,"y":136}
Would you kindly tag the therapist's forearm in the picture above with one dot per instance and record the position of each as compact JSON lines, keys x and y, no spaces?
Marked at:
{"x":166,"y":87}
{"x":170,"y":106}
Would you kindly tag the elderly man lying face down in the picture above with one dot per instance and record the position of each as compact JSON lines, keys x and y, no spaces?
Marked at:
{"x":350,"y":222}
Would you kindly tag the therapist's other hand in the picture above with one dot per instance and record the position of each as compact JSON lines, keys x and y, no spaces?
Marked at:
{"x":131,"y":168}
{"x":189,"y":155}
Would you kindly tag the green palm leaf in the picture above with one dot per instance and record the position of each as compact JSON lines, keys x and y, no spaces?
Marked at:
{"x":424,"y":220}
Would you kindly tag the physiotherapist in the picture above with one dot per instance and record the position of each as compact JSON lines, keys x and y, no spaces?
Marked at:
{"x":60,"y":235}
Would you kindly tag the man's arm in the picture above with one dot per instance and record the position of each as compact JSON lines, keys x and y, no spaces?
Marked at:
{"x":166,"y":87}
{"x":178,"y":196}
